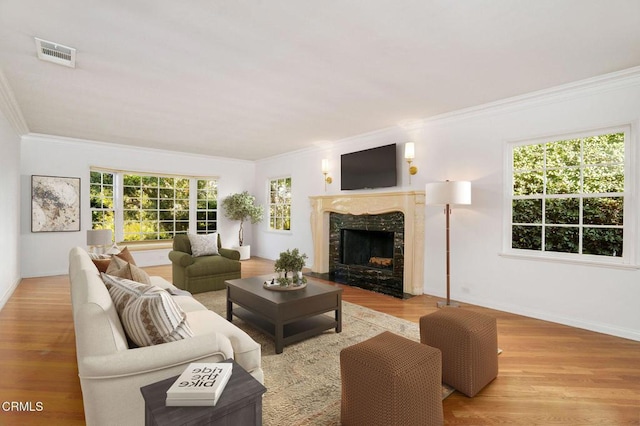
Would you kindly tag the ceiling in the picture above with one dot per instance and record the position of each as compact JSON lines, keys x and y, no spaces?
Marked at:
{"x":253,"y":79}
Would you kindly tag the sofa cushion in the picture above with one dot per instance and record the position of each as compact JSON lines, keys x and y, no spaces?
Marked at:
{"x":148,"y":313}
{"x":203,"y":245}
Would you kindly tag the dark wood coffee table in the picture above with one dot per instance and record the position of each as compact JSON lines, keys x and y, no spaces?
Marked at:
{"x":286,"y":316}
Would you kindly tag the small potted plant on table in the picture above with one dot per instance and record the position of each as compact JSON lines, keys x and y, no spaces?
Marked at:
{"x":291,"y":261}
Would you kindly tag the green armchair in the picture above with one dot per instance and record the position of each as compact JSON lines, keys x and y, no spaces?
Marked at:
{"x":204,"y":273}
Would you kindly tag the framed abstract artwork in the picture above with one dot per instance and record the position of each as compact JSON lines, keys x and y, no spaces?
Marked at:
{"x":55,"y":204}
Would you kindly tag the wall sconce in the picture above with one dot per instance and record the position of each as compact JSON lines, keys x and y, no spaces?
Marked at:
{"x":325,"y":172}
{"x":409,"y":155}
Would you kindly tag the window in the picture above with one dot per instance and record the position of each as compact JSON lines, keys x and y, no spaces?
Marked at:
{"x":568,"y":196}
{"x":101,"y":200}
{"x":154,"y":207}
{"x":141,"y":207}
{"x":280,"y":204}
{"x":207,"y":206}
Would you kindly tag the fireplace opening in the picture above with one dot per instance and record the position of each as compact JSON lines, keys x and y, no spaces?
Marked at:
{"x":373,"y":249}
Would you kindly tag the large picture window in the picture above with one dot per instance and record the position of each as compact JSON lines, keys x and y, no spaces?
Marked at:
{"x":568,"y":197}
{"x":280,"y":204}
{"x":154,"y":207}
{"x":143,"y":207}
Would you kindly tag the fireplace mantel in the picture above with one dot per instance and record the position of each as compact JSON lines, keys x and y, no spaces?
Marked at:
{"x":411,"y":203}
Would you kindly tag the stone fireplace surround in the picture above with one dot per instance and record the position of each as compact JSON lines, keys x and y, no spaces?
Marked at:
{"x":410,"y":203}
{"x":359,"y":245}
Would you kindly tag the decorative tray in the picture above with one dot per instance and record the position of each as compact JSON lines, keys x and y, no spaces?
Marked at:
{"x":278,"y":287}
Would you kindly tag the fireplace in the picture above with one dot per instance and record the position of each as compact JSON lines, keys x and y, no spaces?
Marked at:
{"x":373,"y":249}
{"x":367,"y":251}
{"x":389,"y":215}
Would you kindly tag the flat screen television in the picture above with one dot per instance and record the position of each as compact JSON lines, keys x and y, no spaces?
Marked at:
{"x":371,"y":168}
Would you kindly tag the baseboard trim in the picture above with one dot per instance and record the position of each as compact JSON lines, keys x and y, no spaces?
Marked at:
{"x":7,"y":294}
{"x":624,"y":333}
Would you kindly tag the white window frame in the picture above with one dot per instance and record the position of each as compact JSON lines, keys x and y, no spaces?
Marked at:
{"x":630,"y":221}
{"x":118,"y":195}
{"x":269,"y":204}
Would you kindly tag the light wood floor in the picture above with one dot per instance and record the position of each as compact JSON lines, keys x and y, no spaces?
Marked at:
{"x":550,"y":374}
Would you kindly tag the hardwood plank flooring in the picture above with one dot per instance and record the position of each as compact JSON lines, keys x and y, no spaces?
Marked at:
{"x":550,"y":374}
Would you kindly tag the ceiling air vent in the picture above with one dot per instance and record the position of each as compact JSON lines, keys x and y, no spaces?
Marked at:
{"x":56,"y":53}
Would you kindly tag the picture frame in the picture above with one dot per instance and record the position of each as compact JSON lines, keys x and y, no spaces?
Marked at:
{"x":55,"y":204}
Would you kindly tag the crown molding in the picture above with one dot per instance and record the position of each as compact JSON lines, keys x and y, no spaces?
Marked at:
{"x":601,"y":83}
{"x":10,"y":107}
{"x":124,"y":147}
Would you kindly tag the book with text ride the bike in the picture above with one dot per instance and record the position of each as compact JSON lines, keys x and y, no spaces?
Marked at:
{"x":201,"y":384}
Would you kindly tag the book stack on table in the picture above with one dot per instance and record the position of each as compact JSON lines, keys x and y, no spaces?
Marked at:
{"x":201,"y":384}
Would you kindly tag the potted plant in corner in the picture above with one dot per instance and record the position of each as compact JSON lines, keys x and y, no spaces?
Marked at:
{"x":241,"y":206}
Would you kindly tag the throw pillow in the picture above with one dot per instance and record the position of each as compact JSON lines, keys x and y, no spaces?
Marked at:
{"x":204,"y":245}
{"x":148,"y":313}
{"x":122,"y":290}
{"x":125,"y":254}
{"x":115,"y":264}
{"x":155,"y":318}
{"x":132,"y":272}
{"x":149,"y":316}
{"x":122,"y":269}
{"x":101,"y":264}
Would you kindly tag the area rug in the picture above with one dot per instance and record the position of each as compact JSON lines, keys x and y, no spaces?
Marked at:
{"x":303,"y":383}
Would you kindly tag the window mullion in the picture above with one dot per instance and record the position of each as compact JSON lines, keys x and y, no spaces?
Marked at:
{"x":193,"y":205}
{"x":118,"y":202}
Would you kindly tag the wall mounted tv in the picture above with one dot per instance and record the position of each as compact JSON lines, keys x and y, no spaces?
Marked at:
{"x":371,"y":168}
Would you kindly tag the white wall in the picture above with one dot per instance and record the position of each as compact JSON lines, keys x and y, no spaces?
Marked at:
{"x":10,"y":211}
{"x":46,"y":253}
{"x":470,"y":146}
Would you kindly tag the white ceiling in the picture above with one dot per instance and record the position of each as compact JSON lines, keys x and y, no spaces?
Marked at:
{"x":250,"y":79}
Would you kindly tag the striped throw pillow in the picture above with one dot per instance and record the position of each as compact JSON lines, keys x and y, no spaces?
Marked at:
{"x":148,"y":314}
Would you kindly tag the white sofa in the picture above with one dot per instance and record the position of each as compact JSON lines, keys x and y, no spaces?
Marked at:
{"x":111,"y":373}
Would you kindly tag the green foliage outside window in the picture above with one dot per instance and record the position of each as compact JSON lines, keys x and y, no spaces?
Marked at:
{"x":206,"y":206}
{"x":152,"y":207}
{"x":155,"y":207}
{"x":280,"y":204}
{"x":568,"y":195}
{"x":101,"y":200}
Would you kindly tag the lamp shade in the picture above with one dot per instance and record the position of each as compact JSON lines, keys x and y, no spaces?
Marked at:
{"x":449,"y":192}
{"x":325,"y":166}
{"x":98,"y":237}
{"x":409,"y":151}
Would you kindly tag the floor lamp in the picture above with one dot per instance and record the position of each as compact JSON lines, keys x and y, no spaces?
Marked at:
{"x":448,"y":193}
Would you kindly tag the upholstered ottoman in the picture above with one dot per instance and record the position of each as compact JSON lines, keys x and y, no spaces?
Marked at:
{"x":469,"y":344}
{"x":391,"y":380}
